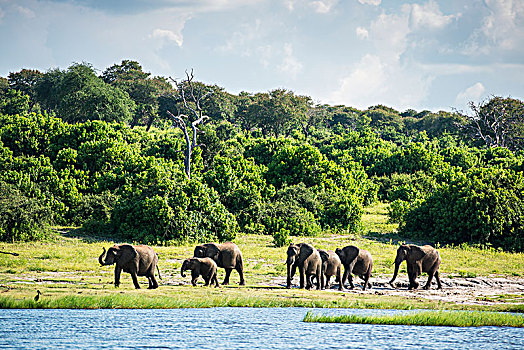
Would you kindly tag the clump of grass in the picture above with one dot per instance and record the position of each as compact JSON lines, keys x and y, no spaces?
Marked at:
{"x":428,"y":318}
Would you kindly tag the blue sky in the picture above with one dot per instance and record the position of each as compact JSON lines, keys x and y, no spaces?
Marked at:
{"x":424,"y":54}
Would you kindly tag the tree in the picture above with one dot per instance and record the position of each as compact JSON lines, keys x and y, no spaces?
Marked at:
{"x":192,"y":102}
{"x":141,"y":88}
{"x":25,"y":82}
{"x":497,"y":123}
{"x":78,"y":95}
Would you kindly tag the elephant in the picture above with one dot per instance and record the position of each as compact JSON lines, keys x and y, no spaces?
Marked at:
{"x":331,"y":266}
{"x":138,"y":260}
{"x":418,"y":259}
{"x":309,"y":264}
{"x":205,"y":267}
{"x":226,"y":255}
{"x":357,"y":262}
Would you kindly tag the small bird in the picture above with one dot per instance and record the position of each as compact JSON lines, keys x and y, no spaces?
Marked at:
{"x":37,"y":296}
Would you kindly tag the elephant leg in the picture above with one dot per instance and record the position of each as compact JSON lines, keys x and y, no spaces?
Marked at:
{"x":412,"y":276}
{"x":345,"y":276}
{"x":240,"y":271}
{"x":118,"y":271}
{"x":154,"y":283}
{"x":301,"y":271}
{"x":320,"y":279}
{"x":135,"y":280}
{"x":437,"y":277}
{"x":215,"y":279}
{"x":350,"y":280}
{"x":226,"y":279}
{"x":326,"y":284}
{"x":366,"y":279}
{"x":194,"y":277}
{"x":339,"y":280}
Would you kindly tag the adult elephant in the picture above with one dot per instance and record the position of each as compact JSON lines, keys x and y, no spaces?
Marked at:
{"x":418,"y":259}
{"x":137,"y":260}
{"x":331,"y":266}
{"x":356,"y":261}
{"x":226,"y":255}
{"x":309,"y":264}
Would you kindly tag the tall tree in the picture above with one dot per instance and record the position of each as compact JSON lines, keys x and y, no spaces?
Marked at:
{"x":78,"y":95}
{"x":191,"y":100}
{"x":25,"y":82}
{"x":143,"y":89}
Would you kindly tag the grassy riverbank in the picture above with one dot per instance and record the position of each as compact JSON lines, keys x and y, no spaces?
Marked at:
{"x":67,"y":272}
{"x":428,"y":318}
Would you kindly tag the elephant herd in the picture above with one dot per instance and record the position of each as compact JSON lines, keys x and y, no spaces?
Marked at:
{"x":315,"y":266}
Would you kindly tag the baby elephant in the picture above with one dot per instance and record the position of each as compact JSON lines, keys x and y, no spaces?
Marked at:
{"x":205,"y":267}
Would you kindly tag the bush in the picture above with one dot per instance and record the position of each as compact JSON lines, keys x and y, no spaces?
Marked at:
{"x":169,"y":208}
{"x":22,"y":218}
{"x":483,"y":206}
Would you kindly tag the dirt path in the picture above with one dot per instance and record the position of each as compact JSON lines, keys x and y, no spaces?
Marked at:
{"x":478,"y":290}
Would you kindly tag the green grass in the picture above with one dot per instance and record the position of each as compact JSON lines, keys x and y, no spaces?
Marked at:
{"x":428,"y":318}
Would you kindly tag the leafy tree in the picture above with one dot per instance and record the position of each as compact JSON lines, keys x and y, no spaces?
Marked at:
{"x":25,"y":82}
{"x":141,"y":88}
{"x":78,"y":95}
{"x":13,"y":102}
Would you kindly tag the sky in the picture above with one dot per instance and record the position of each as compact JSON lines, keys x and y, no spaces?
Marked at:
{"x":424,"y":54}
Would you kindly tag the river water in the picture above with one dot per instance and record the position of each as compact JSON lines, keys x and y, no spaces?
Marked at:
{"x":231,"y":328}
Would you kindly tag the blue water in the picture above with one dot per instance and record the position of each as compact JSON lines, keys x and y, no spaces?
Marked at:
{"x":231,"y":328}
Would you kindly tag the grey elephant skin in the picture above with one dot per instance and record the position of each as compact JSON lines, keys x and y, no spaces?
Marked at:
{"x":226,"y":255}
{"x":418,"y":259}
{"x":331,"y":266}
{"x":309,"y":263}
{"x":205,"y":267}
{"x":358,"y":262}
{"x":137,"y":260}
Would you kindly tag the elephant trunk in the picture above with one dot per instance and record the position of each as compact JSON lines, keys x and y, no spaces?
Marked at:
{"x":397,"y":265}
{"x":184,"y":268}
{"x":100,"y":258}
{"x":290,"y":270}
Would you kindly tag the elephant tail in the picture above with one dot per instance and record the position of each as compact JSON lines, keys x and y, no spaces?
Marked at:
{"x":158,"y":270}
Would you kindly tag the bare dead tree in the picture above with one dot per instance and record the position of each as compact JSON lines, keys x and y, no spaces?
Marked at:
{"x":496,"y":123}
{"x":191,"y":101}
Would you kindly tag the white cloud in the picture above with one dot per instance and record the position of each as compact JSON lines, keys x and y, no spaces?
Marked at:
{"x":323,"y":6}
{"x":501,"y":29}
{"x":24,"y":11}
{"x":472,"y":93}
{"x":370,"y":2}
{"x":365,"y":81}
{"x":362,"y":33}
{"x":429,"y":15}
{"x":168,"y":35}
{"x":389,"y":35}
{"x":290,"y":65}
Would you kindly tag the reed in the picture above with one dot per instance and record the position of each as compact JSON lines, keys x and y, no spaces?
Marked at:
{"x":428,"y":318}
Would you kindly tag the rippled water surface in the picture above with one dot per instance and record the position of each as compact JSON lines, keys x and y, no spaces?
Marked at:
{"x":231,"y":328}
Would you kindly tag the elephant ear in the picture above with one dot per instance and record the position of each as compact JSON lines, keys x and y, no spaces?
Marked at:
{"x":350,"y":253}
{"x":305,"y":251}
{"x":323,"y":254}
{"x":416,"y":253}
{"x":126,"y":253}
{"x":212,"y":251}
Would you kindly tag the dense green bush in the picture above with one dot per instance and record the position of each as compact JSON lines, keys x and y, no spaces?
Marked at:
{"x":483,"y":206}
{"x":22,"y":218}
